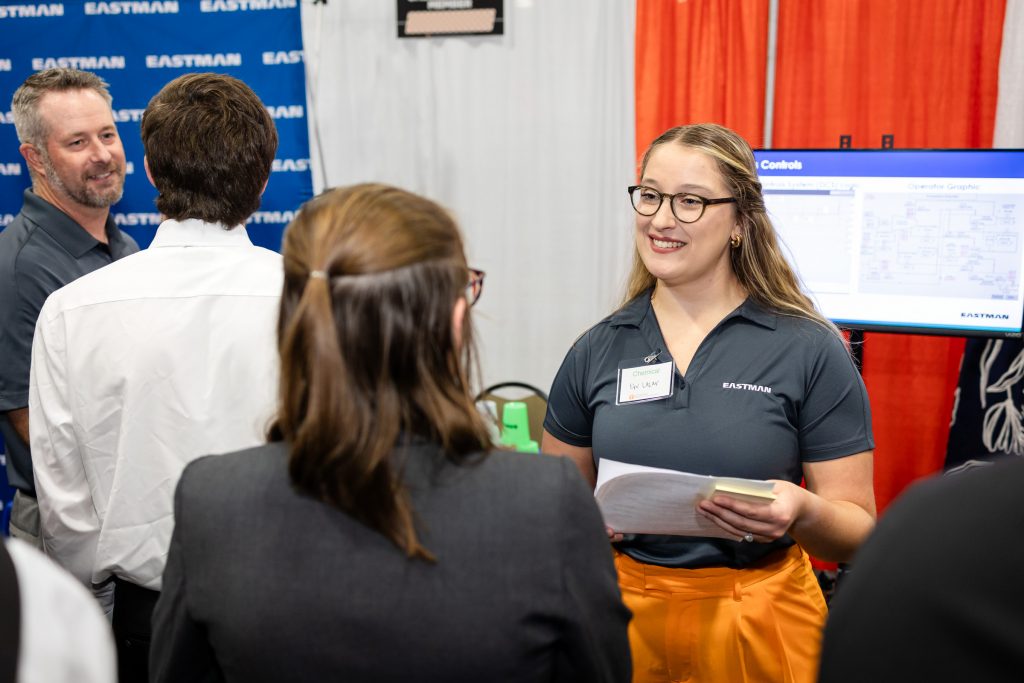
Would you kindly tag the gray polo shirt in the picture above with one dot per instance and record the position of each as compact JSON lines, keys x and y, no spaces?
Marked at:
{"x":763,"y":394}
{"x":41,"y":250}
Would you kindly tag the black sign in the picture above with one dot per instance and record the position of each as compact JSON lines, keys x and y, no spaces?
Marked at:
{"x":426,"y":18}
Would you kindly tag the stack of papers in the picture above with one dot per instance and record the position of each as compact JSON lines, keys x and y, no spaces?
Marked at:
{"x":649,"y":500}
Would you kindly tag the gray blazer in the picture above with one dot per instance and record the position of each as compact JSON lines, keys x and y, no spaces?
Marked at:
{"x":266,"y":584}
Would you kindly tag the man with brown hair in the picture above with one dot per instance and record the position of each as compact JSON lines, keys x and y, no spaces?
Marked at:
{"x":173,"y":353}
{"x":63,"y":231}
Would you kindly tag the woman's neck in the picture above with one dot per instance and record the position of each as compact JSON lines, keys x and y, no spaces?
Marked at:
{"x":703,"y":306}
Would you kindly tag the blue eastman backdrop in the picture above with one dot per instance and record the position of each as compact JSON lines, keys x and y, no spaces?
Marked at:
{"x":137,"y":47}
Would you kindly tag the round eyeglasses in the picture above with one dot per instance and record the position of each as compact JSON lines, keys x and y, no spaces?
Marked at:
{"x":686,"y":207}
{"x":475,"y":286}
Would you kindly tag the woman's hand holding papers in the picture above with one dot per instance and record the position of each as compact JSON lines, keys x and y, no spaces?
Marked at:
{"x":760,"y":522}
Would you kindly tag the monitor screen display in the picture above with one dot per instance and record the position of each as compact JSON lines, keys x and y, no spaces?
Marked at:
{"x":928,"y":241}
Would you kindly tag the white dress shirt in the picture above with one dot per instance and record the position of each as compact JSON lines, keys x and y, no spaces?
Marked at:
{"x":137,"y":369}
{"x":64,"y":636}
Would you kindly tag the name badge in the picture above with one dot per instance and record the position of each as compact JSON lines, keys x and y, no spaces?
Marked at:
{"x":645,"y":383}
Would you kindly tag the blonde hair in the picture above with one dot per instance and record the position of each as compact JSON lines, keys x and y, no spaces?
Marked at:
{"x":28,"y":123}
{"x":757,"y":262}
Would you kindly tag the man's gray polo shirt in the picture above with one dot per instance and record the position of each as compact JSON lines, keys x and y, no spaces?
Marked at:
{"x":763,"y":394}
{"x":41,"y":250}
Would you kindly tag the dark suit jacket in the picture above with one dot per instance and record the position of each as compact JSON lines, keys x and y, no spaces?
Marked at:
{"x":935,"y":593}
{"x":265,"y":584}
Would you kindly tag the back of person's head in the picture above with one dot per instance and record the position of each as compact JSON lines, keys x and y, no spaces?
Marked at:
{"x":210,"y":145}
{"x":757,"y":262}
{"x":376,"y":348}
{"x":29,"y":125}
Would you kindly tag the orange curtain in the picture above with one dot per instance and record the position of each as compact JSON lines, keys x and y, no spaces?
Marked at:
{"x":927,"y":73}
{"x":700,"y":61}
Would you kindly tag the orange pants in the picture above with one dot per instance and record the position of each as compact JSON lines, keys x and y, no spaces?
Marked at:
{"x":761,"y":624}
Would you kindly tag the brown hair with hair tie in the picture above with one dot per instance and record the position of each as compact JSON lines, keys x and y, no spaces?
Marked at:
{"x":371,"y":358}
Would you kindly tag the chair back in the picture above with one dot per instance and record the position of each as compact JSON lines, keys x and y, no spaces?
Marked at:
{"x":536,"y":402}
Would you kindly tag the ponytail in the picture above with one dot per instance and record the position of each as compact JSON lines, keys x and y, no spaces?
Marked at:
{"x":368,"y":356}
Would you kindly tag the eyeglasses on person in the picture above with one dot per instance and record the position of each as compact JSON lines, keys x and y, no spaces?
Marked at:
{"x":475,"y":286}
{"x":686,"y":207}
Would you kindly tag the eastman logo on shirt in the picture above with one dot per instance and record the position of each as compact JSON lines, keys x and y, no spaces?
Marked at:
{"x":747,"y":387}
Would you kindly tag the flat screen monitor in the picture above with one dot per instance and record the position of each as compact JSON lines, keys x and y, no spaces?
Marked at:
{"x":925,"y":241}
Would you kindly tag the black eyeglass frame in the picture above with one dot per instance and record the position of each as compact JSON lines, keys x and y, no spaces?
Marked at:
{"x":662,"y":196}
{"x":475,"y":286}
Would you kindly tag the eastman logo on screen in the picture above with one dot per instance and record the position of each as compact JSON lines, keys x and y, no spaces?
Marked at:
{"x":985,"y":316}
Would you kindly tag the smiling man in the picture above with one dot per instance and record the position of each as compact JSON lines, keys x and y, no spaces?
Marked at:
{"x":64,"y":230}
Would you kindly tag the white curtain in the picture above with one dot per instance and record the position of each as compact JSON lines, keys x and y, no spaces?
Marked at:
{"x":526,"y":137}
{"x":1010,"y":105}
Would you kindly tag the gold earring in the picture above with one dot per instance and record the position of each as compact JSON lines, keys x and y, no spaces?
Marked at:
{"x":735,"y":241}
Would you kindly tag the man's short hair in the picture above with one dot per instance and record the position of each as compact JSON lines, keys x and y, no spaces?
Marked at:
{"x":210,"y":145}
{"x":28,"y":124}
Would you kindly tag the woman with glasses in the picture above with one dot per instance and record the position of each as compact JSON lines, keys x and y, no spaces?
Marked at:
{"x":743,"y":378}
{"x":375,"y":538}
